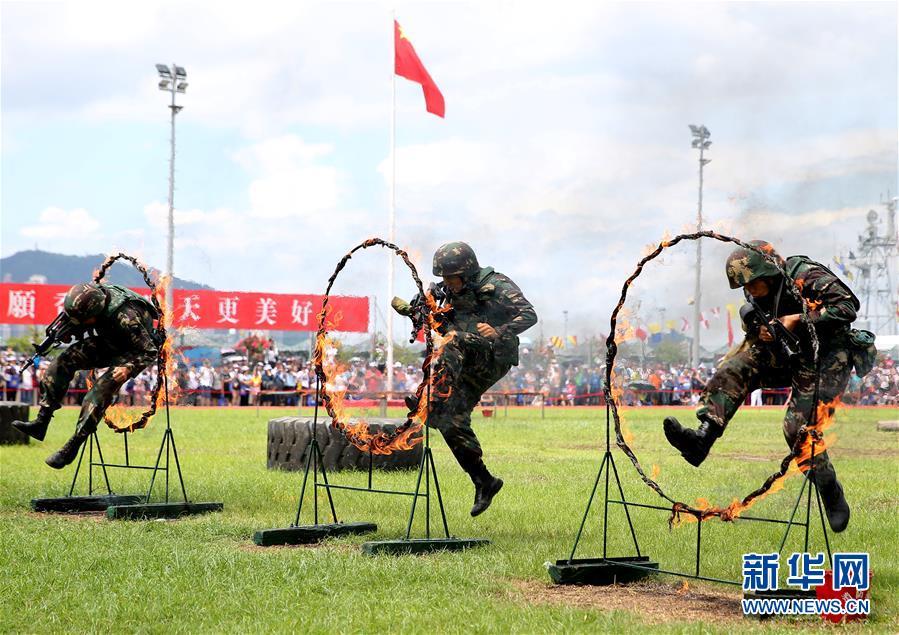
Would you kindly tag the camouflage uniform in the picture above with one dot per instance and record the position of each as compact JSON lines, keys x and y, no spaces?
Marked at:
{"x":470,"y":363}
{"x":123,"y":335}
{"x":756,"y":363}
{"x":124,"y":338}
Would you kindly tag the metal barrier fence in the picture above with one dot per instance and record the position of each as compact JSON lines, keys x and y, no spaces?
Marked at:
{"x":368,"y":399}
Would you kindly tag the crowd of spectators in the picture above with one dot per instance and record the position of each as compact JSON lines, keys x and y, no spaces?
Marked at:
{"x":291,"y":381}
{"x":576,"y":384}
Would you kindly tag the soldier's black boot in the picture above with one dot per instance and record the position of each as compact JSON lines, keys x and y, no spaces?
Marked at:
{"x":835,"y":505}
{"x":694,"y":445}
{"x":36,"y":429}
{"x":486,"y":486}
{"x":67,"y":453}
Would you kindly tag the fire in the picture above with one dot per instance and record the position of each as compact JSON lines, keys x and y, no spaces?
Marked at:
{"x":617,"y":392}
{"x":799,"y":465}
{"x":655,"y":472}
{"x":815,"y":437}
{"x":359,"y":432}
{"x":124,"y":419}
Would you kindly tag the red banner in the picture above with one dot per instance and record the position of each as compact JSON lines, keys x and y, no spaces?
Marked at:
{"x":40,"y":303}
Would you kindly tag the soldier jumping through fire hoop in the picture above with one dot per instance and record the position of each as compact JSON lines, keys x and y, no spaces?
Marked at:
{"x":124,"y":343}
{"x":488,"y":313}
{"x":776,"y":352}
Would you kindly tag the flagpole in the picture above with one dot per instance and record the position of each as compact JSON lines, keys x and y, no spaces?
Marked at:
{"x":392,"y":233}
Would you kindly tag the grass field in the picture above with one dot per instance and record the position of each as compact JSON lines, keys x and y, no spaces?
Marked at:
{"x":203,"y":574}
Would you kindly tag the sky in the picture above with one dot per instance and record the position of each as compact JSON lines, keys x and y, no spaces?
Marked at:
{"x":564,"y":153}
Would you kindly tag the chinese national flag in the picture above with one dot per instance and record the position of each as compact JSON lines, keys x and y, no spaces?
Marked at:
{"x":407,"y":64}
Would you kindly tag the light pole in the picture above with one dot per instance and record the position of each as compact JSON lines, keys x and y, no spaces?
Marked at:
{"x":173,"y":79}
{"x":701,"y":141}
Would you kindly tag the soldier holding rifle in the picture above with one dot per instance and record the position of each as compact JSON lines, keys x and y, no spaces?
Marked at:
{"x":776,"y":352}
{"x":109,"y":327}
{"x":488,"y":312}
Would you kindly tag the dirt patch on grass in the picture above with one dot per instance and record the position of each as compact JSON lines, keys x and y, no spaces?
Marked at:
{"x":868,"y":453}
{"x":655,"y":602}
{"x":593,"y":447}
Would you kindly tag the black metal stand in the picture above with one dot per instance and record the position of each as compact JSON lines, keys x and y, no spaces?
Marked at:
{"x":74,"y":504}
{"x":305,"y":534}
{"x":607,"y":570}
{"x":167,"y":508}
{"x":132,"y":506}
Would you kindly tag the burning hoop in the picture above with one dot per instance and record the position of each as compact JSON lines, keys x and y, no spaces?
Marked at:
{"x":403,"y":437}
{"x":807,"y":435}
{"x":164,"y":362}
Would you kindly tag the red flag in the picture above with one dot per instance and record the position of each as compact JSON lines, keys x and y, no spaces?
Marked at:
{"x":407,"y":64}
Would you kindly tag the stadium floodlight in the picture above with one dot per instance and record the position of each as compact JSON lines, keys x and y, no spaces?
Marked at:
{"x":172,"y":81}
{"x":701,"y":141}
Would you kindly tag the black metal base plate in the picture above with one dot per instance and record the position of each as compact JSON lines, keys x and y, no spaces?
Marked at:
{"x":160,"y":510}
{"x":76,"y":504}
{"x":421,"y":545}
{"x":787,"y":594}
{"x":309,"y":534}
{"x":600,"y":571}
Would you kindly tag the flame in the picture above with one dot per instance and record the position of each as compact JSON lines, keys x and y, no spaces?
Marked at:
{"x":799,"y":465}
{"x":617,"y":392}
{"x":815,"y":436}
{"x":654,"y":473}
{"x":123,"y":418}
{"x":358,"y":432}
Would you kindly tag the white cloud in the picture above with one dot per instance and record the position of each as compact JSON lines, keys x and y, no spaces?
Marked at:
{"x":55,"y":223}
{"x":564,"y":152}
{"x":276,"y":153}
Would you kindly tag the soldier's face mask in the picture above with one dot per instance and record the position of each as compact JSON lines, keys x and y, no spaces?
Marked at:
{"x":454,"y":283}
{"x":758,"y":288}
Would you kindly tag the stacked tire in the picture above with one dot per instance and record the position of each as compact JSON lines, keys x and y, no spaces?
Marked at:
{"x":289,"y":438}
{"x":9,"y":412}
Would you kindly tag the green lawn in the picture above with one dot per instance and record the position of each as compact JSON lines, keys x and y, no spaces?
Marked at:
{"x":203,"y":574}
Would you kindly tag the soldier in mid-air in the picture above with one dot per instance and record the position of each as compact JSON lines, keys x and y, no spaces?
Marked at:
{"x":124,"y":342}
{"x":776,"y":352}
{"x":488,"y":312}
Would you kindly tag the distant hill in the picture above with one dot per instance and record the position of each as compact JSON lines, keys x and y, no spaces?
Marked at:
{"x":64,"y":269}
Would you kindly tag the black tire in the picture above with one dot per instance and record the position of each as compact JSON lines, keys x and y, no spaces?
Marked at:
{"x":9,"y":412}
{"x":289,"y":437}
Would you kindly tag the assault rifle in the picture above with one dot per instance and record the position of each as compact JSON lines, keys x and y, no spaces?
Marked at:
{"x":60,"y":331}
{"x":417,"y":309}
{"x":786,"y":342}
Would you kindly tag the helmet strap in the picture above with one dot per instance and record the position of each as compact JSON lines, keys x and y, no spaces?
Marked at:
{"x":107,"y":295}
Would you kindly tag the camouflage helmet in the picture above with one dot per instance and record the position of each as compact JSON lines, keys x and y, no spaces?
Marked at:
{"x":745,"y":265}
{"x":455,"y":259}
{"x":86,"y":300}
